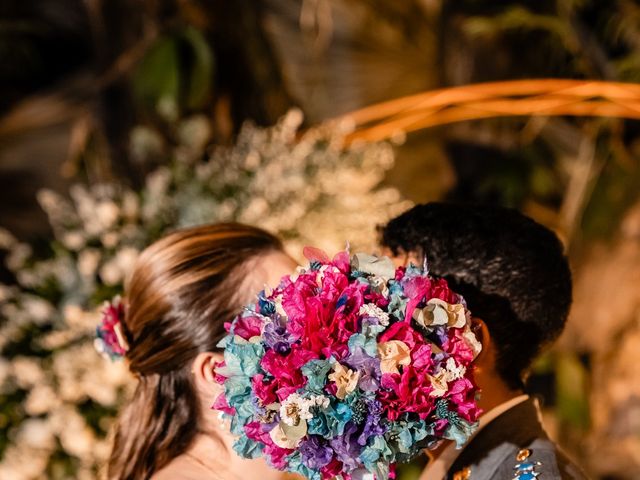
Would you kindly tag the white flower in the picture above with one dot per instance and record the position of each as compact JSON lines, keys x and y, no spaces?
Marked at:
{"x":439,"y":384}
{"x":453,"y":371}
{"x":295,"y":408}
{"x":372,"y":310}
{"x":345,"y":379}
{"x":393,"y":354}
{"x":471,"y":340}
{"x":382,"y":267}
{"x":439,"y":312}
{"x":287,"y":436}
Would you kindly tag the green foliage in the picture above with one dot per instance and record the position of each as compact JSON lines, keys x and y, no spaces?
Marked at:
{"x":572,"y":390}
{"x":176,"y":74}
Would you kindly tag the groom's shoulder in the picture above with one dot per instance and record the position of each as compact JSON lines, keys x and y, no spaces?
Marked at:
{"x":540,"y":459}
{"x":514,"y":446}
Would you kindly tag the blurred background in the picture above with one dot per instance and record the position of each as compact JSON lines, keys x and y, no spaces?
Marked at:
{"x":122,"y":119}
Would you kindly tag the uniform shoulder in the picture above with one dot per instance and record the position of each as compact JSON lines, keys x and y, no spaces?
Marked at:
{"x":543,"y":459}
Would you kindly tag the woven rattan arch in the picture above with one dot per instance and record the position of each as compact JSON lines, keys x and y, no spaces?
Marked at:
{"x":535,"y":97}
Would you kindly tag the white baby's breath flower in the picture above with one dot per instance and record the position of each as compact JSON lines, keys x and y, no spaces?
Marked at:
{"x":37,"y":308}
{"x":88,"y":261}
{"x":372,"y":310}
{"x":453,"y":371}
{"x":17,"y":256}
{"x":42,"y":399}
{"x":7,"y":240}
{"x":110,"y":239}
{"x":74,"y":241}
{"x":36,"y":433}
{"x":75,"y":435}
{"x":27,"y":371}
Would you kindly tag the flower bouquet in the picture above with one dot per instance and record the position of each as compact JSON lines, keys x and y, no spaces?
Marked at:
{"x":349,"y":367}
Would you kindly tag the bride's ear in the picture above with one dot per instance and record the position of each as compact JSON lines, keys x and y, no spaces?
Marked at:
{"x":203,"y":366}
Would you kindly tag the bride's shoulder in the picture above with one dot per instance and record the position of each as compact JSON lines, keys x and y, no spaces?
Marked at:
{"x":181,"y":468}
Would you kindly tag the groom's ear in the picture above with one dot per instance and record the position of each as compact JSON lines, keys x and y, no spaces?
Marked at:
{"x":203,"y":368}
{"x":486,"y":355}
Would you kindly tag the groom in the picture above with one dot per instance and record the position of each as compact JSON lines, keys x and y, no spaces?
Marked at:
{"x":516,"y":280}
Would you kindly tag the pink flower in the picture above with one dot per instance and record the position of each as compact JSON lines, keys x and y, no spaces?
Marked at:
{"x":110,"y":328}
{"x":421,"y":357}
{"x":314,"y":254}
{"x":405,"y":392}
{"x":458,"y":347}
{"x":342,"y":262}
{"x":277,"y":455}
{"x":221,"y":404}
{"x":462,"y":395}
{"x":404,"y":332}
{"x":286,"y":369}
{"x":416,"y":289}
{"x":332,"y":469}
{"x":265,"y":390}
{"x":247,"y":327}
{"x":440,"y":289}
{"x":216,"y":376}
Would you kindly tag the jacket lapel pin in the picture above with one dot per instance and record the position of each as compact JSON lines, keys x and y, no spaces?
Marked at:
{"x":525,"y":469}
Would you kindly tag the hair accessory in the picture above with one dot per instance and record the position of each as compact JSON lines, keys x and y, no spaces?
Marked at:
{"x":349,"y":367}
{"x":110,"y":339}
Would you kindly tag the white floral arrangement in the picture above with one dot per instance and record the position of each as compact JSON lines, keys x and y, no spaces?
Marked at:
{"x":58,"y":396}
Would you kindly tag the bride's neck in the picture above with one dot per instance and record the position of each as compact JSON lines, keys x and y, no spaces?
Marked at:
{"x":212,"y":454}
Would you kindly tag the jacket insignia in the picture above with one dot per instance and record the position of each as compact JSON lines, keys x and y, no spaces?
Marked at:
{"x":464,"y":474}
{"x":525,"y":469}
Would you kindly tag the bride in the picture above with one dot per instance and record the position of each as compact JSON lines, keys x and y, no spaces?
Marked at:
{"x":183,"y":289}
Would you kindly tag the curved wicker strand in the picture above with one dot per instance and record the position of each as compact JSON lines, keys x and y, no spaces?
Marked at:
{"x":544,"y":97}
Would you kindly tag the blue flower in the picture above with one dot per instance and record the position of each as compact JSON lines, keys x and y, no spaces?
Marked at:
{"x":330,"y":422}
{"x":265,"y":306}
{"x":295,"y":465}
{"x":242,"y":358}
{"x":237,"y":391}
{"x":316,"y":372}
{"x":376,"y":457}
{"x":247,"y":448}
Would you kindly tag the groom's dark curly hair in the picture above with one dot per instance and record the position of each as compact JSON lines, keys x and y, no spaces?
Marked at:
{"x":511,"y":270}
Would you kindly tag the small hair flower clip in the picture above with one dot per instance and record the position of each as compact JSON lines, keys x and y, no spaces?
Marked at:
{"x":110,"y":339}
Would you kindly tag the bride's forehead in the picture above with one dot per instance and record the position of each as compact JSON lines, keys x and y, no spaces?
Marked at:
{"x":268,"y":269}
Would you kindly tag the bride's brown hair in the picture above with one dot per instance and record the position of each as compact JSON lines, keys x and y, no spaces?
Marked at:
{"x":182,"y":290}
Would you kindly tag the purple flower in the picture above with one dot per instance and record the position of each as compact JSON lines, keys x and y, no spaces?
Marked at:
{"x":346,"y":448}
{"x":276,"y":336}
{"x":369,"y":368}
{"x":372,"y":427}
{"x":315,"y":452}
